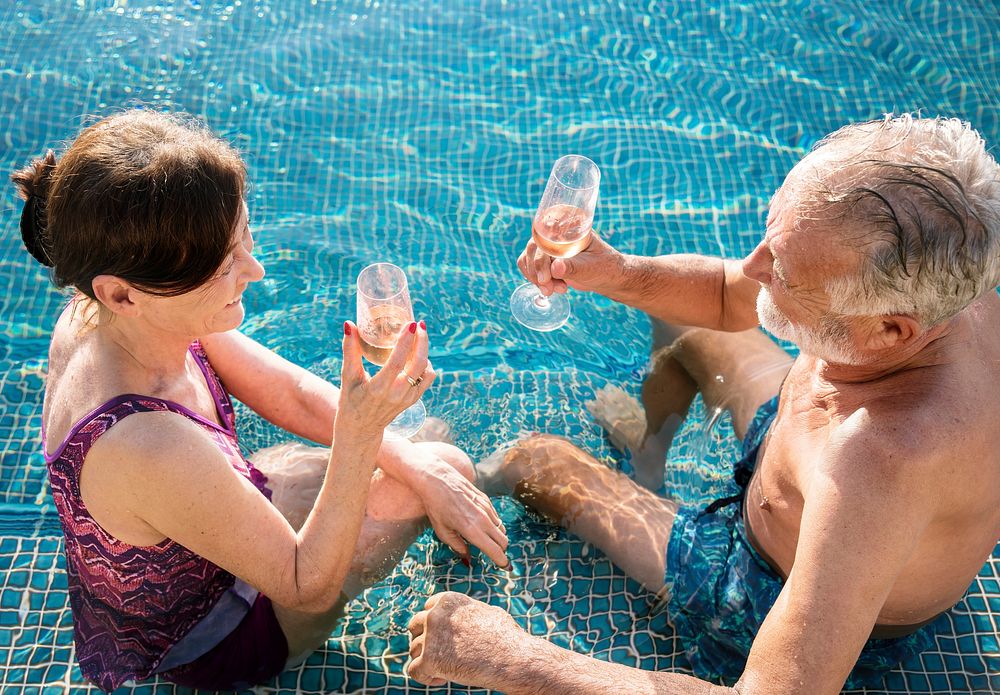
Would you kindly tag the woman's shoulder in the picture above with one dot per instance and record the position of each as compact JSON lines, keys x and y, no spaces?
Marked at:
{"x":74,"y":382}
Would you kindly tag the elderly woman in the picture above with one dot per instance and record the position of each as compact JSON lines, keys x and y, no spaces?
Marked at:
{"x":179,"y":563}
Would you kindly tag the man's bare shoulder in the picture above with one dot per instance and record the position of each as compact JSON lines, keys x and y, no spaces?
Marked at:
{"x":938,"y":436}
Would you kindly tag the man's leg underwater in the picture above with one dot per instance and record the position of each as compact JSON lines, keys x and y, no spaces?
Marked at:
{"x":737,"y":372}
{"x":630,"y":524}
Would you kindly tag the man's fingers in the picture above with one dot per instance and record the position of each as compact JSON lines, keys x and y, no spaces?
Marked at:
{"x":416,"y":647}
{"x":433,"y":600}
{"x":561,"y":267}
{"x":415,"y":670}
{"x":418,"y":623}
{"x":543,"y":276}
{"x":522,"y":263}
{"x":525,"y":262}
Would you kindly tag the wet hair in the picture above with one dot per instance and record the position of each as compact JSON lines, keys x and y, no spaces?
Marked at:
{"x":919,"y":200}
{"x":148,"y":197}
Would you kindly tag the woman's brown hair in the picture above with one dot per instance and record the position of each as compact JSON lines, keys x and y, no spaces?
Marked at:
{"x":149,"y":197}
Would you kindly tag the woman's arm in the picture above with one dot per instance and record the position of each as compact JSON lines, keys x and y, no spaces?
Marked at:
{"x":300,"y":402}
{"x":281,"y":392}
{"x":169,"y":475}
{"x":293,"y":398}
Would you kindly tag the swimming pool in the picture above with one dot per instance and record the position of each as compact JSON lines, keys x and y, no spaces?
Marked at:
{"x":422,"y":135}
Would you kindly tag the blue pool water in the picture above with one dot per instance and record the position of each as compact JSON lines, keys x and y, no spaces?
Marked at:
{"x":421,"y":134}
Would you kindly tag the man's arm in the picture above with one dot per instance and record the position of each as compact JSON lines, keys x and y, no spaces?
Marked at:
{"x":863,"y":516}
{"x":457,"y":638}
{"x":682,"y":289}
{"x":690,"y":290}
{"x":868,"y":503}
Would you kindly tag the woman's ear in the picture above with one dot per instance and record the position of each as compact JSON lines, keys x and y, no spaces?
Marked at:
{"x":115,"y":294}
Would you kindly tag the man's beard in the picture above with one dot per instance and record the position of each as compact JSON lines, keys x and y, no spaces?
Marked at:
{"x":831,"y":342}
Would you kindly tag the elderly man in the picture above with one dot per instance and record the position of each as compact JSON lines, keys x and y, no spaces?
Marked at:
{"x":870,"y":483}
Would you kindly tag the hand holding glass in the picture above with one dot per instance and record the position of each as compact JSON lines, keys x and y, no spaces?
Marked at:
{"x":384,"y":309}
{"x":561,"y":228}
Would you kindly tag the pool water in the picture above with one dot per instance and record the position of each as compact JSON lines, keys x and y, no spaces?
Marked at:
{"x":422,"y":134}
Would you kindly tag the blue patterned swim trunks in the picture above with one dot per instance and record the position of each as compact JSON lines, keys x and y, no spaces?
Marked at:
{"x":721,"y":589}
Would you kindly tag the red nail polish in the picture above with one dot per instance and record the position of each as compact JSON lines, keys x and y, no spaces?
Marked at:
{"x":413,"y":328}
{"x":466,"y":561}
{"x":347,"y":328}
{"x":423,"y":325}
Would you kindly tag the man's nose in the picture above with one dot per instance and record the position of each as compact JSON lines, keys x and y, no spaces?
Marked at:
{"x":757,"y":266}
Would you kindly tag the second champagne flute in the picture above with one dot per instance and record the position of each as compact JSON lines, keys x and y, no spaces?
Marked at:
{"x":561,"y":228}
{"x":384,"y":309}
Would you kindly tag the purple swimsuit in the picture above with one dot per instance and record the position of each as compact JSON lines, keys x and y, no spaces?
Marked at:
{"x":138,"y":611}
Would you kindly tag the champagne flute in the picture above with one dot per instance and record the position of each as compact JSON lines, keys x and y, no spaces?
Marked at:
{"x":384,"y":309}
{"x":561,"y":228}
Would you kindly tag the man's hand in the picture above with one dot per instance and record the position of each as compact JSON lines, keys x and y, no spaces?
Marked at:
{"x":457,"y":638}
{"x":598,"y":268}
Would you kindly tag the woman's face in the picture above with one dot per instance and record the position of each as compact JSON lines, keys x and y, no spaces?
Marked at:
{"x":217,"y":306}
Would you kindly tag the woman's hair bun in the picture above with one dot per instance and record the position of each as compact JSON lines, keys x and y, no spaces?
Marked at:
{"x":33,"y":186}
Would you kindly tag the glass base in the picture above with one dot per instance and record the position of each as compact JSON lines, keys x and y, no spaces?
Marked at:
{"x":537,"y":312}
{"x":408,"y":422}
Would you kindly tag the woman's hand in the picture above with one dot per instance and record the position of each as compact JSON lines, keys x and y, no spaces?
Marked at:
{"x":368,"y":404}
{"x":458,"y":510}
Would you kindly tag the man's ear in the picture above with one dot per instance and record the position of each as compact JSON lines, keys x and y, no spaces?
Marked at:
{"x":892,"y":331}
{"x":115,"y":294}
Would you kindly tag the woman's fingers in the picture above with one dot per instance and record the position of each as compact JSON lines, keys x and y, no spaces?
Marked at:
{"x":483,"y":501}
{"x":418,"y":367}
{"x":490,"y":548}
{"x":497,"y":534}
{"x":454,"y":540}
{"x":401,"y":352}
{"x":352,"y":369}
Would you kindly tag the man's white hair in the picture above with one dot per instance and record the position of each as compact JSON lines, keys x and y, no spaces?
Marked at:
{"x":919,"y":199}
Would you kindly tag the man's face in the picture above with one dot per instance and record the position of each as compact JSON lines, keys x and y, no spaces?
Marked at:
{"x":831,"y":340}
{"x":793,"y":264}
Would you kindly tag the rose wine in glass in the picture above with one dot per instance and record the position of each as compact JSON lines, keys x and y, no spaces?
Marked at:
{"x":384,"y":310}
{"x":561,"y":228}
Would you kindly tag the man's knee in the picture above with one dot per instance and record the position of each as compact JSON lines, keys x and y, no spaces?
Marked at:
{"x":535,"y":456}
